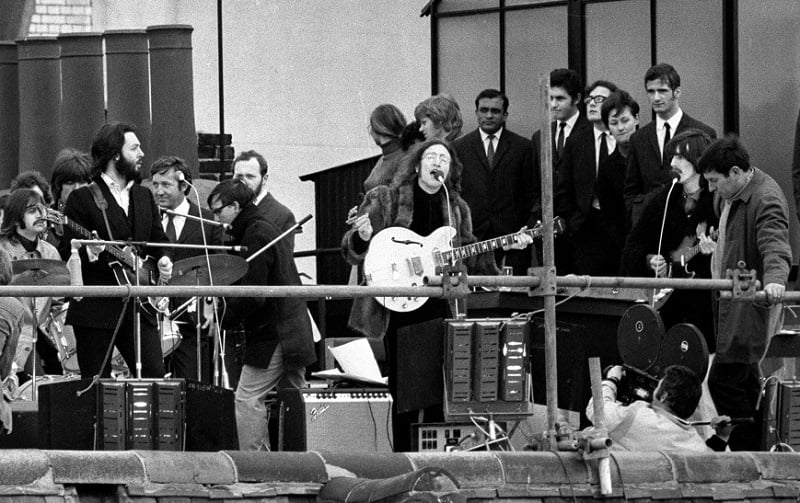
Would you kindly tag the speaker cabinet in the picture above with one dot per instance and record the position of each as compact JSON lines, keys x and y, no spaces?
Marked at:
{"x":149,"y":414}
{"x":352,"y":420}
{"x":24,"y":426}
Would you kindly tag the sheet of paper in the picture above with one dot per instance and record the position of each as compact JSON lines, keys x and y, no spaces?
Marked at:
{"x":356,"y":358}
{"x":338,"y":375}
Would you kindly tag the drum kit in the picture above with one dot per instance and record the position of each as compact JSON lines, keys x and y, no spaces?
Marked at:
{"x":217,"y":269}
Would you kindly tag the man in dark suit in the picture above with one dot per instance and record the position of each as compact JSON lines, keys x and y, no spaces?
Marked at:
{"x":565,"y":98}
{"x":277,"y":330}
{"x":171,"y":184}
{"x":648,"y":168}
{"x":497,"y":181}
{"x":251,"y":167}
{"x":131,"y":214}
{"x":577,"y":199}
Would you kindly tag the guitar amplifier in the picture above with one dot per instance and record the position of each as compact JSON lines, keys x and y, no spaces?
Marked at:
{"x":459,"y":362}
{"x":787,"y":414}
{"x":486,"y":355}
{"x":164,"y":414}
{"x":352,"y":420}
{"x":512,"y":360}
{"x":486,"y":368}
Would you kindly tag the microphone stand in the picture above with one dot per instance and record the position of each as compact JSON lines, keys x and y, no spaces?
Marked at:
{"x":137,"y":334}
{"x":198,"y":219}
{"x":151,"y":244}
{"x":281,"y":236}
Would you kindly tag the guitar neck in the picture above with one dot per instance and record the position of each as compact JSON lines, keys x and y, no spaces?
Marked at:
{"x":469,"y":250}
{"x":117,"y":252}
{"x":689,"y":253}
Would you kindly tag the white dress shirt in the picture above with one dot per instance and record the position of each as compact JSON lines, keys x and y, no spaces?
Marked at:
{"x":661,"y":130}
{"x":122,"y":195}
{"x":177,"y":220}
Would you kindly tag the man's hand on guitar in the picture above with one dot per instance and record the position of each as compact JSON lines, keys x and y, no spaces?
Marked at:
{"x":520,"y":241}
{"x":94,"y":251}
{"x":707,"y":242}
{"x":658,"y":264}
{"x":364,"y":227}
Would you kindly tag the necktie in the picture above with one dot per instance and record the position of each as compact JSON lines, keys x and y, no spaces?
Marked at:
{"x":560,"y":140}
{"x":666,"y":140}
{"x":490,"y":149}
{"x":603,"y":151}
{"x":172,"y":235}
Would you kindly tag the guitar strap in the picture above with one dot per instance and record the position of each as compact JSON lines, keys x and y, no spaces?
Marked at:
{"x":100,"y":201}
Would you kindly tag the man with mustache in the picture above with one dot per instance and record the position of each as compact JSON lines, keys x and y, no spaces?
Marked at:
{"x":116,"y":207}
{"x":21,"y":237}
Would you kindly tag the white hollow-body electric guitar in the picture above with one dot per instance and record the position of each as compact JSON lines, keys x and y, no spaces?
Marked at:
{"x":400,"y":257}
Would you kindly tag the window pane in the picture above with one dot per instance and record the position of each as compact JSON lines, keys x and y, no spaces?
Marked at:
{"x":469,"y":52}
{"x":689,"y":37}
{"x":769,"y":55}
{"x":536,"y":43}
{"x":454,"y":5}
{"x":618,"y":47}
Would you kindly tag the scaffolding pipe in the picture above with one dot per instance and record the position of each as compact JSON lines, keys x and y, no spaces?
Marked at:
{"x":594,"y":281}
{"x":548,"y":257}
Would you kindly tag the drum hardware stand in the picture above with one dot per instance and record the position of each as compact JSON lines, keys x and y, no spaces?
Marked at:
{"x":34,"y":393}
{"x":41,"y":274}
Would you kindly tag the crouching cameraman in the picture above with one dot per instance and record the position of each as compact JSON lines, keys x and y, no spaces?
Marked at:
{"x":662,"y":424}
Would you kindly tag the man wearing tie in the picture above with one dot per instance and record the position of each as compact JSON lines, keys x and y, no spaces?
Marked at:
{"x":171,"y":185}
{"x":497,"y":181}
{"x":576,"y":198}
{"x":648,"y":167}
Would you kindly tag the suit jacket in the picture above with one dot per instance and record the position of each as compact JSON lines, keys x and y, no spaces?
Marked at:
{"x":192,"y":234}
{"x":581,"y":124}
{"x":578,"y":181}
{"x":269,"y":321}
{"x":143,"y":223}
{"x":646,"y":171}
{"x":280,"y":216}
{"x":500,"y":196}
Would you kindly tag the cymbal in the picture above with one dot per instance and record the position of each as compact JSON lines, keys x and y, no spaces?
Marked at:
{"x":38,"y":272}
{"x":193,"y":271}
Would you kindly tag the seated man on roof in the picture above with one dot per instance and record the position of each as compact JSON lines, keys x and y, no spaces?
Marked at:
{"x":661,"y":425}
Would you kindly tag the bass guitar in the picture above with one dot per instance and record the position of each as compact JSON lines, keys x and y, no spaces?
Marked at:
{"x":125,"y":264}
{"x":400,"y":257}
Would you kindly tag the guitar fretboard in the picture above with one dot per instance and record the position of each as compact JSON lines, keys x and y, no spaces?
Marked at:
{"x":469,"y":250}
{"x":117,"y":252}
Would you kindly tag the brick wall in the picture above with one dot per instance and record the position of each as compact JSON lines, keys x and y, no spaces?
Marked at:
{"x":52,"y":17}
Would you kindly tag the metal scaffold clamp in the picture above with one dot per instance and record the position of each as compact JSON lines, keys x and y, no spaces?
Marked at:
{"x":745,"y":283}
{"x":547,"y":281}
{"x":455,"y":287}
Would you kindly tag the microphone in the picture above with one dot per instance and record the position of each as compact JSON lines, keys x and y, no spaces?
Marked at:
{"x":438,"y":174}
{"x":168,"y":211}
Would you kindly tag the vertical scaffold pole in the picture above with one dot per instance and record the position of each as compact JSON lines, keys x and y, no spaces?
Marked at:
{"x":549,"y":273}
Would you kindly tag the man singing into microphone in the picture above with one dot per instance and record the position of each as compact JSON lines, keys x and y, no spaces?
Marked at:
{"x":171,"y":185}
{"x":416,"y":200}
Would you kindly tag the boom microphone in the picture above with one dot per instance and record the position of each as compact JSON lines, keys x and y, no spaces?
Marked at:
{"x":168,"y":211}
